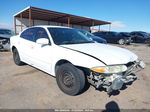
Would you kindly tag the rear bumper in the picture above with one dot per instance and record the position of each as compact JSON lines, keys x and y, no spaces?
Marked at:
{"x":115,"y":81}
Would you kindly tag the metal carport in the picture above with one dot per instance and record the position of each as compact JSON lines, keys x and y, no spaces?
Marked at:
{"x":30,"y":15}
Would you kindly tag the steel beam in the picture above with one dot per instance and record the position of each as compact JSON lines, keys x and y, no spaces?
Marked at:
{"x":30,"y":17}
{"x":21,"y":20}
{"x":68,"y":21}
{"x":109,"y":27}
{"x":15,"y":25}
{"x":99,"y":28}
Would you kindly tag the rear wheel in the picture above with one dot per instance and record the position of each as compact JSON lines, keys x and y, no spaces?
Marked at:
{"x":147,"y":41}
{"x":121,"y":41}
{"x":70,"y":79}
{"x":16,"y":57}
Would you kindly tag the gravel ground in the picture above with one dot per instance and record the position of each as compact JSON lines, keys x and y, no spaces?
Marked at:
{"x":24,"y":87}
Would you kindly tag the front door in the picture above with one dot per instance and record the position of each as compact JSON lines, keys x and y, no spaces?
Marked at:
{"x":41,"y":54}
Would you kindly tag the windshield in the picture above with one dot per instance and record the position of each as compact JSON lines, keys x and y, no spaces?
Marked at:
{"x":8,"y":32}
{"x":125,"y":33}
{"x":64,"y":36}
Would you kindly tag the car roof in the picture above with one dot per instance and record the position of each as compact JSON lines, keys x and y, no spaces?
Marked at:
{"x":105,"y":32}
{"x":45,"y":26}
{"x":50,"y":26}
{"x":138,"y":32}
{"x":124,"y":32}
{"x":5,"y":29}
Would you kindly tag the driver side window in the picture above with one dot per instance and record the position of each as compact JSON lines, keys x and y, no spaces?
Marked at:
{"x":40,"y":33}
{"x":28,"y":34}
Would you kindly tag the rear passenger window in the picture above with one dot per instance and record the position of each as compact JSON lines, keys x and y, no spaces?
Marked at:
{"x":40,"y":33}
{"x":28,"y":34}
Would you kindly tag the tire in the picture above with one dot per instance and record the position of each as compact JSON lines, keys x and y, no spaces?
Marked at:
{"x":147,"y":41}
{"x":121,"y":41}
{"x":70,"y":79}
{"x":16,"y":57}
{"x":129,"y":43}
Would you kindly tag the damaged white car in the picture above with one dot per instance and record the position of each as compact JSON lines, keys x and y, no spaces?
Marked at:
{"x":5,"y":35}
{"x":75,"y":59}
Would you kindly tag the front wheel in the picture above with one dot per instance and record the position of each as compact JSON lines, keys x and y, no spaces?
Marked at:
{"x":70,"y":79}
{"x":16,"y":57}
{"x":121,"y":41}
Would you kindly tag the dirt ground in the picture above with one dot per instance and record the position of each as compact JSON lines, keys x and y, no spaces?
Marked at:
{"x":24,"y":87}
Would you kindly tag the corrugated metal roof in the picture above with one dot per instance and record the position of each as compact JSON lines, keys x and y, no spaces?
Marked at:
{"x":48,"y":15}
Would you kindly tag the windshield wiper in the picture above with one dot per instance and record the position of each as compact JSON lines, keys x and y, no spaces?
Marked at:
{"x":65,"y":43}
{"x":85,"y":42}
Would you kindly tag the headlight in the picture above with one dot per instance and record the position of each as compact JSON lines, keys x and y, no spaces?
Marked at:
{"x":110,"y":69}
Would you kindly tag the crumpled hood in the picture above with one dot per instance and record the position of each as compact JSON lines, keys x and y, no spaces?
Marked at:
{"x":110,"y":55}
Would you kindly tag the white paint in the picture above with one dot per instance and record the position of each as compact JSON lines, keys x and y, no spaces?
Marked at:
{"x":45,"y":58}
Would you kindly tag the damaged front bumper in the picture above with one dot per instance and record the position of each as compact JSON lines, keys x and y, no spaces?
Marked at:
{"x":115,"y":81}
{"x":4,"y":44}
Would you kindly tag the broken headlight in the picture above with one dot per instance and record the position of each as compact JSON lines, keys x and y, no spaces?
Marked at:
{"x":110,"y":69}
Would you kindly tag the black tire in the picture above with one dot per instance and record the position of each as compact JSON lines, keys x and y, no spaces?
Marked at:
{"x":147,"y":41}
{"x":16,"y":57}
{"x":70,"y":79}
{"x":129,"y":43}
{"x":121,"y":41}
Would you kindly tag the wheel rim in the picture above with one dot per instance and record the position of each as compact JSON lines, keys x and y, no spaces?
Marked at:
{"x":67,"y":80}
{"x":121,"y":41}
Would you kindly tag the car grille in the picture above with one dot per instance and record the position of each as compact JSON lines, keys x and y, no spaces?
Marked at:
{"x":4,"y":41}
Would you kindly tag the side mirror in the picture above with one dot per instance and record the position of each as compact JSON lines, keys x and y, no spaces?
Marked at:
{"x":43,"y":41}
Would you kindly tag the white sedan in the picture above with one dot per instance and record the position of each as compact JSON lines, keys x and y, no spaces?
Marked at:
{"x":74,"y":58}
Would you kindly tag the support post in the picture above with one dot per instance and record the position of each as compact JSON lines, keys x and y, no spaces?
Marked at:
{"x":30,"y":17}
{"x":15,"y":25}
{"x":69,"y":21}
{"x":21,"y":21}
{"x":99,"y":28}
{"x":92,"y":25}
{"x":109,"y":27}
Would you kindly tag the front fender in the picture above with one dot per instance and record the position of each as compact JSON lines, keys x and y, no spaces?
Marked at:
{"x":74,"y":57}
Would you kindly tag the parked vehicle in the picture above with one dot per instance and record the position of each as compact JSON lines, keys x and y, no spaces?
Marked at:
{"x":5,"y":35}
{"x":140,"y":37}
{"x":74,"y":59}
{"x":148,"y":41}
{"x":95,"y":38}
{"x":114,"y":37}
{"x":127,"y":37}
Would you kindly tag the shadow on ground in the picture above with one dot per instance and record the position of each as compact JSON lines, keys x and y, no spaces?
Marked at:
{"x":111,"y":106}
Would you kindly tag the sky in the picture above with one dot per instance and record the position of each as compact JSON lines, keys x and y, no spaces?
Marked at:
{"x":125,"y":15}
